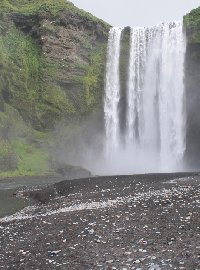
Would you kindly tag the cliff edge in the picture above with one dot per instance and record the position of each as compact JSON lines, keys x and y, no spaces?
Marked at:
{"x":52,"y":60}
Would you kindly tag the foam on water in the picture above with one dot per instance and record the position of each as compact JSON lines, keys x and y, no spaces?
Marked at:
{"x":155,"y":112}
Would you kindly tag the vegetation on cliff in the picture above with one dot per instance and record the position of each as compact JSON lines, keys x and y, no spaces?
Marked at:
{"x":192,"y":82}
{"x":192,"y":25}
{"x":52,"y":60}
{"x":32,"y":7}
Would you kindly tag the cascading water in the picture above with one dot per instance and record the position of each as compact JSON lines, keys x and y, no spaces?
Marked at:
{"x":155,"y":117}
{"x":112,"y":91}
{"x":135,"y":83}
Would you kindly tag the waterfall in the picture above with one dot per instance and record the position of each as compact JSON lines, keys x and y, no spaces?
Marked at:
{"x":155,"y":113}
{"x":135,"y":83}
{"x":112,"y":87}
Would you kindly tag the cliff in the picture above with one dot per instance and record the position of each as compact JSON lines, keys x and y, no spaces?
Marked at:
{"x":52,"y":60}
{"x":192,"y":83}
{"x":52,"y":64}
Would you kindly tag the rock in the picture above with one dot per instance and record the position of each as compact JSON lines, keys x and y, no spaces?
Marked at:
{"x":43,"y":196}
{"x":154,"y":267}
{"x":53,"y":253}
{"x":192,"y":81}
{"x":72,"y":172}
{"x":137,"y":261}
{"x":64,"y":40}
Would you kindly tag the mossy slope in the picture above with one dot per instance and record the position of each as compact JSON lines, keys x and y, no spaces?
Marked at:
{"x":43,"y":76}
{"x":192,"y":25}
{"x":52,"y":60}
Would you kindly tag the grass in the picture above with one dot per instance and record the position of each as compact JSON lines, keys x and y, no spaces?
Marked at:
{"x":31,"y":7}
{"x":15,"y":173}
{"x":23,"y":70}
{"x":32,"y":97}
{"x":192,"y":24}
{"x":22,"y":144}
{"x":192,"y":19}
{"x":32,"y":160}
{"x":94,"y":76}
{"x":21,"y":63}
{"x":29,"y":80}
{"x":5,"y":147}
{"x":58,"y":99}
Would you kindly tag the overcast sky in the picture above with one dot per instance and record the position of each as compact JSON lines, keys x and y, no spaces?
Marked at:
{"x":137,"y":12}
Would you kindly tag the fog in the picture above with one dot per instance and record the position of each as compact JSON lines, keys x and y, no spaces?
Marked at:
{"x":86,"y":143}
{"x":88,"y":151}
{"x":151,"y":135}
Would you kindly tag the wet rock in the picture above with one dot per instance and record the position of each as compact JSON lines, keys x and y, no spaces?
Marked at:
{"x":43,"y":196}
{"x":72,"y":172}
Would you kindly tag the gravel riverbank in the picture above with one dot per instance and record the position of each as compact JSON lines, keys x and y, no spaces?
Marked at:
{"x":123,"y":222}
{"x":9,"y":203}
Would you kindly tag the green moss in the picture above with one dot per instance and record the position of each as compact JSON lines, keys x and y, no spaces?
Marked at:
{"x":84,"y":42}
{"x":38,"y":89}
{"x":13,"y":174}
{"x":12,"y":124}
{"x":57,"y":98}
{"x":192,"y":24}
{"x":5,"y":147}
{"x":35,"y":85}
{"x":30,"y":7}
{"x":192,"y":19}
{"x":33,"y":6}
{"x":6,"y":6}
{"x":21,"y":151}
{"x":32,"y":160}
{"x":21,"y":64}
{"x":23,"y":69}
{"x":52,"y":106}
{"x":93,"y":81}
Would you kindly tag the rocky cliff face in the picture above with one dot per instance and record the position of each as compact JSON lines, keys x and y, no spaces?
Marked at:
{"x":192,"y":82}
{"x":61,"y":50}
{"x":52,"y":63}
{"x":52,"y":60}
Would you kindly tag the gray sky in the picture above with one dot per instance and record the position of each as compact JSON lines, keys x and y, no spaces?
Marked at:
{"x":137,"y":12}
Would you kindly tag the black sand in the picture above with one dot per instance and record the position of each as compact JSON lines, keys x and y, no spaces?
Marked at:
{"x":126,"y":222}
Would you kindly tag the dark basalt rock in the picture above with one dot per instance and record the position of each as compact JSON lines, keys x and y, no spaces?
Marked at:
{"x":27,"y":24}
{"x":45,"y":194}
{"x":192,"y":83}
{"x":42,"y":196}
{"x":70,"y":19}
{"x":72,"y":172}
{"x":68,"y":53}
{"x":192,"y":87}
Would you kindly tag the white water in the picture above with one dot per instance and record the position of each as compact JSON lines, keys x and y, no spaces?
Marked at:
{"x":112,"y":91}
{"x":137,"y":63}
{"x":155,"y":116}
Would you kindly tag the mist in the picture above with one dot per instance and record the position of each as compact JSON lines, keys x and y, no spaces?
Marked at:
{"x":154,"y":135}
{"x":153,"y":138}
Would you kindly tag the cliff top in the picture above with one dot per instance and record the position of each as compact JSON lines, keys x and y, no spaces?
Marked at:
{"x":192,"y":25}
{"x":32,"y":7}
